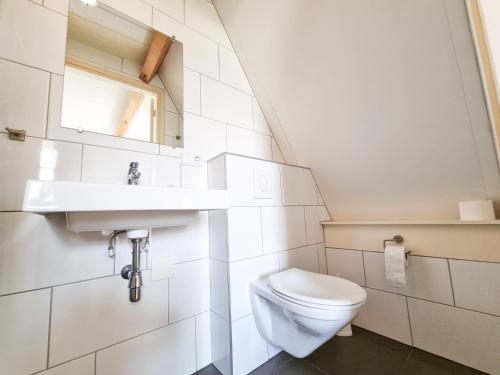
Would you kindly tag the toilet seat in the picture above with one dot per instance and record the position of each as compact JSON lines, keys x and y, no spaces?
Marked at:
{"x":316,"y":290}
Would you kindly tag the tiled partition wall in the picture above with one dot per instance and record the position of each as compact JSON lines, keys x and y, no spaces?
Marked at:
{"x":273,"y":224}
{"x":449,"y":307}
{"x":63,"y":307}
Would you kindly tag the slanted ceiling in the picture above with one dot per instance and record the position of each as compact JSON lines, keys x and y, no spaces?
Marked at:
{"x":381,"y":98}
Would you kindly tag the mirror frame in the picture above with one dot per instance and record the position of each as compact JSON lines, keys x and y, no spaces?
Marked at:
{"x":489,"y":81}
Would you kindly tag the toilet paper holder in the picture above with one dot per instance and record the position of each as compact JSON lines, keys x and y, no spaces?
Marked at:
{"x":398,"y":240}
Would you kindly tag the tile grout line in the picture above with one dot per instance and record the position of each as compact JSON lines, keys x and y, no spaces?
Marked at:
{"x":48,"y":107}
{"x":409,"y":320}
{"x":50,"y":326}
{"x":95,"y":363}
{"x":364,"y":267}
{"x":451,"y":282}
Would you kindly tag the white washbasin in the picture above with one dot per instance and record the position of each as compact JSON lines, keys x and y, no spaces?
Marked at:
{"x":96,"y":207}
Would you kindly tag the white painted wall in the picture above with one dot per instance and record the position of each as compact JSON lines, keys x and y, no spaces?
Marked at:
{"x":490,"y":11}
{"x":382,"y":99}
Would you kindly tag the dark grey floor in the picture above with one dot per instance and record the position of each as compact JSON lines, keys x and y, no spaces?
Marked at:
{"x":364,"y":353}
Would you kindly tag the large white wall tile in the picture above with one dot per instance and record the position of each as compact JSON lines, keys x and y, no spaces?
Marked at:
{"x":231,"y":71}
{"x":192,"y":87}
{"x":105,"y":165}
{"x":467,"y":337}
{"x":189,"y":289}
{"x":38,"y":160}
{"x":347,"y":264}
{"x":24,"y":323}
{"x":39,"y":251}
{"x":277,"y":155}
{"x":386,"y":314}
{"x":476,"y":285}
{"x":194,"y":177}
{"x":241,"y":274}
{"x":174,"y":8}
{"x":314,"y":216}
{"x":259,"y":121}
{"x":205,"y":137}
{"x":305,"y":258}
{"x":23,"y":106}
{"x":426,"y":278}
{"x":219,"y":288}
{"x":201,"y":16}
{"x":203,"y":340}
{"x":32,"y":26}
{"x":283,"y":228}
{"x":182,"y":243}
{"x":244,"y":232}
{"x":226,"y":104}
{"x":60,"y":6}
{"x":167,"y":350}
{"x":216,"y":169}
{"x":248,"y":143}
{"x":249,"y":349}
{"x":242,"y":184}
{"x":81,"y":366}
{"x":218,"y":234}
{"x":90,"y":315}
{"x":322,"y":258}
{"x":221,"y":344}
{"x":299,"y":187}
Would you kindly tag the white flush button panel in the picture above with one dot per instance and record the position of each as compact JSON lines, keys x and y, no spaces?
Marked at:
{"x":262,"y":188}
{"x":161,"y":268}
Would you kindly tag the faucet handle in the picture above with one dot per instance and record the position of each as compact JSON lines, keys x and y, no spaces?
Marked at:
{"x":134,"y":164}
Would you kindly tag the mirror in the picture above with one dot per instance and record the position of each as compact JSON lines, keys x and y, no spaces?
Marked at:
{"x":484,"y":16}
{"x":122,"y":78}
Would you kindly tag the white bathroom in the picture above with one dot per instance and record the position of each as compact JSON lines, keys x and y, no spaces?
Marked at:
{"x":249,"y":187}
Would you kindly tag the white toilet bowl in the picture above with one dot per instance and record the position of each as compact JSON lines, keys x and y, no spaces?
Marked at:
{"x":298,"y":311}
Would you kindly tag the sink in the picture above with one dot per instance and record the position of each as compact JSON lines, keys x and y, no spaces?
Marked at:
{"x":98,"y":207}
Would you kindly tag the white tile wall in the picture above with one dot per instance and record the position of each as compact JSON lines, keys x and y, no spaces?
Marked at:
{"x":81,"y":366}
{"x":476,"y":284}
{"x":467,"y":337}
{"x":198,"y":130}
{"x":231,"y":72}
{"x":221,"y":344}
{"x":218,"y":234}
{"x":219,"y":288}
{"x":322,"y":258}
{"x":260,"y":122}
{"x":35,"y":159}
{"x":240,"y":181}
{"x":60,"y":6}
{"x":223,"y":103}
{"x":174,"y":8}
{"x":283,"y":228}
{"x":248,"y":143}
{"x":305,"y":258}
{"x":244,"y":232}
{"x":133,"y":8}
{"x":249,"y":349}
{"x":277,"y":155}
{"x":194,"y":177}
{"x":192,"y":94}
{"x":241,"y":274}
{"x":314,"y":216}
{"x":201,"y":16}
{"x":170,"y":349}
{"x":24,"y":323}
{"x":39,"y":251}
{"x":386,"y":314}
{"x":189,"y":289}
{"x":34,"y":26}
{"x":299,"y":187}
{"x":90,"y":315}
{"x":32,"y":97}
{"x":426,"y":278}
{"x":203,"y":340}
{"x":347,"y":264}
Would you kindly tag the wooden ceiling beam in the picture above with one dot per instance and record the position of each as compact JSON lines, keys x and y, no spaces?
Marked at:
{"x":133,"y":106}
{"x":157,"y":52}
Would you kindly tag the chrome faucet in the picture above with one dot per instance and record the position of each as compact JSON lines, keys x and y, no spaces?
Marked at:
{"x":133,"y":173}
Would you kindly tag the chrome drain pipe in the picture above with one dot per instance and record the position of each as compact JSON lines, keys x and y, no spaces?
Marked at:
{"x":132,"y":272}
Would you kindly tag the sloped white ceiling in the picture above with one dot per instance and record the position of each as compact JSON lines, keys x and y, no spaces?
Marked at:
{"x":381,"y":98}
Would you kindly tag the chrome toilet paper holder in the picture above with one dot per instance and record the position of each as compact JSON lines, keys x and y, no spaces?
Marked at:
{"x":398,"y":240}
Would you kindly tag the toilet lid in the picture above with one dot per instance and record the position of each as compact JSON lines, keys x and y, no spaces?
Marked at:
{"x":316,"y":288}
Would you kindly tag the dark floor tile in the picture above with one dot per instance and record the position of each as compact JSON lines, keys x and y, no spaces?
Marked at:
{"x":423,"y":363}
{"x":297,"y":367}
{"x":270,"y":366}
{"x":209,"y":370}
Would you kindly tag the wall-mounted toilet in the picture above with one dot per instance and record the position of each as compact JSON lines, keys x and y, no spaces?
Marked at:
{"x":298,"y":311}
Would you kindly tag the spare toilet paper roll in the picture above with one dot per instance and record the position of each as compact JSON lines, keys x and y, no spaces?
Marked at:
{"x":395,"y":270}
{"x":477,"y":210}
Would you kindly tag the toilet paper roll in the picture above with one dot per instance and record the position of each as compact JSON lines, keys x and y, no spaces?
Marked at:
{"x":395,"y":268}
{"x":476,"y":210}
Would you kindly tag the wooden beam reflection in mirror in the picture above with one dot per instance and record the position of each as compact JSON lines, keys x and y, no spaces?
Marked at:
{"x":133,"y":106}
{"x":156,"y":54}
